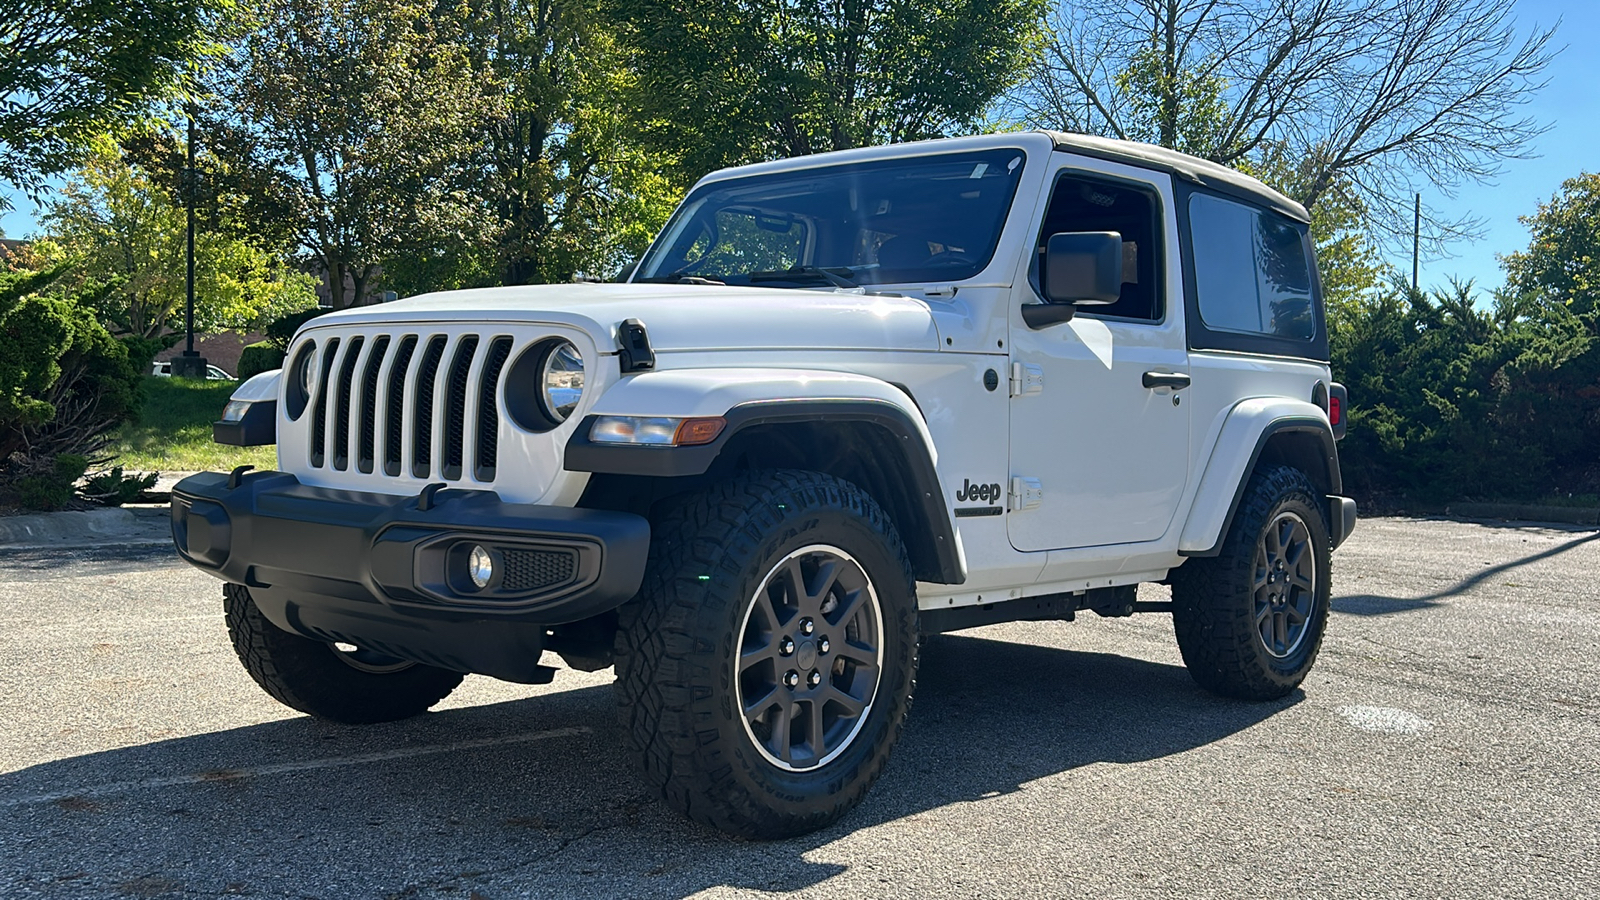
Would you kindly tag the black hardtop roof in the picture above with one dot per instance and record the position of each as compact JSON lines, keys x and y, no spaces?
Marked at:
{"x":1180,"y":165}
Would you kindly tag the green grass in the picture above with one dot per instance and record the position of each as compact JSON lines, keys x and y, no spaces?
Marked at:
{"x":173,"y":433}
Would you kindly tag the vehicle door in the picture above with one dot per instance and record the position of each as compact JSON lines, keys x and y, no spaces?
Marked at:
{"x":1099,"y":419}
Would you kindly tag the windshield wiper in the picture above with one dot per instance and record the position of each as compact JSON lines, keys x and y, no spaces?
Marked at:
{"x":796,"y":273}
{"x":680,"y":277}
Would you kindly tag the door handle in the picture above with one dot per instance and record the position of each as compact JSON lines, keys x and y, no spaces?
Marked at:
{"x":1175,"y":380}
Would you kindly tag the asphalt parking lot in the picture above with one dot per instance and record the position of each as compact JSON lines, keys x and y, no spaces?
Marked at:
{"x":1447,"y":745}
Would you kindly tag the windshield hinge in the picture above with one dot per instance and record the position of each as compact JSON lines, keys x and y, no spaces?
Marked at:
{"x":634,"y":343}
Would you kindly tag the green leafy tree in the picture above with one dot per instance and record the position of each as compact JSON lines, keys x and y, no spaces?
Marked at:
{"x":126,"y":227}
{"x":1562,"y":263}
{"x":563,"y":186}
{"x":721,"y":82}
{"x":71,"y":69}
{"x":349,"y":125}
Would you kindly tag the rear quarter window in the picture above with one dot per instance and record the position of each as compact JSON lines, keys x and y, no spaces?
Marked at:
{"x":1252,"y":273}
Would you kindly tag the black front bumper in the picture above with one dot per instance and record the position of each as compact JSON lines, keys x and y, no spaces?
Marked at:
{"x":389,"y":573}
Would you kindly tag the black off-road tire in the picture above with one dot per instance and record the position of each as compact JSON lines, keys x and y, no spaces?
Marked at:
{"x":314,"y":678}
{"x":678,"y":641}
{"x":1214,"y":608}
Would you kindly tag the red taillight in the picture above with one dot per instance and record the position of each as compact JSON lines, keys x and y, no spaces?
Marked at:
{"x":1335,"y":410}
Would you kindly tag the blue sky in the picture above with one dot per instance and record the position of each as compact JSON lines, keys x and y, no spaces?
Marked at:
{"x":1569,"y":104}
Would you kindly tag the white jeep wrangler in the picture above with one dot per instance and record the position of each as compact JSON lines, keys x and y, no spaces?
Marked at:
{"x":841,"y":402}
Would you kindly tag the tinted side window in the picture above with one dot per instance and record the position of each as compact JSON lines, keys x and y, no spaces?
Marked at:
{"x":1085,"y":204}
{"x":1250,"y":270}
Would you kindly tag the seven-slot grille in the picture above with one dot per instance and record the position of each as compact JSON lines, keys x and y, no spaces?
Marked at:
{"x":419,"y":404}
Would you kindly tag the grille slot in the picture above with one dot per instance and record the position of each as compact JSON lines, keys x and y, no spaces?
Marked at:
{"x":394,"y":431}
{"x":341,"y":423}
{"x":530,"y":570}
{"x":319,"y":417}
{"x":422,"y":430}
{"x":455,"y":418}
{"x":369,"y":404}
{"x":489,"y":410}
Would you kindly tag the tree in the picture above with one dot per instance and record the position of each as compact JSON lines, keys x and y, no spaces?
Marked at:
{"x":564,"y":187}
{"x":71,"y":69}
{"x":348,"y":125}
{"x":1374,"y":95}
{"x":1561,"y":266}
{"x":129,"y":229}
{"x":721,"y":82}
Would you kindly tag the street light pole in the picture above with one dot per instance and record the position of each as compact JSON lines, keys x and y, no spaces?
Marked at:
{"x":190,"y":364}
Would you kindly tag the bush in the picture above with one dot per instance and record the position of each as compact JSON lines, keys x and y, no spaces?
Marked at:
{"x":54,"y":489}
{"x":112,"y":488}
{"x":281,"y":331}
{"x":258,"y":358}
{"x":65,"y":383}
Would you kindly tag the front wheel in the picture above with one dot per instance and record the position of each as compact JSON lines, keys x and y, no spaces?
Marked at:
{"x":1250,"y":620}
{"x":766,"y":667}
{"x":338,"y":683}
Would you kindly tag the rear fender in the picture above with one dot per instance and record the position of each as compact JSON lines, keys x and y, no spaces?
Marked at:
{"x":1290,"y":426}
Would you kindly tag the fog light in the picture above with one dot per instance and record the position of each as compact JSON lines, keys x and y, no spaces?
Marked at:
{"x":480,"y":566}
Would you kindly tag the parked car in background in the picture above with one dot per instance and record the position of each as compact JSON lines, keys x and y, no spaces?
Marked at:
{"x":164,"y":370}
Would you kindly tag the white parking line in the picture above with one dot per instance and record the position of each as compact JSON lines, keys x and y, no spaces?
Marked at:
{"x":333,"y":762}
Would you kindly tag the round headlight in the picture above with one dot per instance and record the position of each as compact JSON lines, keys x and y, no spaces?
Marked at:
{"x":561,"y":381}
{"x":297,"y":383}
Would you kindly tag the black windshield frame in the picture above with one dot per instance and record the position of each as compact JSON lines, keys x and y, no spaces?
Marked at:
{"x":947,"y":211}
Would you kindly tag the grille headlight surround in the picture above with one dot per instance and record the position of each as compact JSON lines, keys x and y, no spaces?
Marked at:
{"x":544,"y":384}
{"x":297,"y":380}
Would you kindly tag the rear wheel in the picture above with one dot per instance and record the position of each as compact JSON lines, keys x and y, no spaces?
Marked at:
{"x":766,"y":667}
{"x":338,"y":682}
{"x":1250,"y":620}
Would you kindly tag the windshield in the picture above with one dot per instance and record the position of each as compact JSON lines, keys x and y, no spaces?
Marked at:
{"x":921,"y":219}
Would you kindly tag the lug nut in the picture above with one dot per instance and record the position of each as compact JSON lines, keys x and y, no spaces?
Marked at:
{"x":822,"y":645}
{"x":814,"y":679}
{"x":792,"y":679}
{"x":807,"y":626}
{"x":786,"y":646}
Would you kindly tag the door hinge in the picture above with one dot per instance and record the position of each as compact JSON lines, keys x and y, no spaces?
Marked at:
{"x":1026,"y":493}
{"x":1026,"y":378}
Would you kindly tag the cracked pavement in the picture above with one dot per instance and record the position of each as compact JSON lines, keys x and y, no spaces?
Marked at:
{"x":1444,"y":746}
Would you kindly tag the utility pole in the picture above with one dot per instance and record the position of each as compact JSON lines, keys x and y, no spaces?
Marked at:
{"x":190,"y":364}
{"x":1416,"y":240}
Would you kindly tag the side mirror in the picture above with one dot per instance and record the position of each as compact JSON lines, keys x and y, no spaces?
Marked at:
{"x":1081,"y":268}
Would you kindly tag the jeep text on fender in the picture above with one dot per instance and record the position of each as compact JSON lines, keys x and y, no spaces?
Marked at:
{"x":746,"y":477}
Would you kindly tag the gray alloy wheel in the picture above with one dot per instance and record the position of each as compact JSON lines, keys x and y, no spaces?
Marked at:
{"x":1285,"y":584}
{"x":810,"y":657}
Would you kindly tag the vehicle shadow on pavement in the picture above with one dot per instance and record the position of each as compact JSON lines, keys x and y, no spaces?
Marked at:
{"x":534,"y":796}
{"x":1374,"y":605}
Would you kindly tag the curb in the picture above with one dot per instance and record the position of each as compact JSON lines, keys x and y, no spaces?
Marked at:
{"x":82,"y":528}
{"x":1570,"y":515}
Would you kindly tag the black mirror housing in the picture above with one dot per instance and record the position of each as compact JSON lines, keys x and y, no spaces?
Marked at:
{"x":1083,"y":268}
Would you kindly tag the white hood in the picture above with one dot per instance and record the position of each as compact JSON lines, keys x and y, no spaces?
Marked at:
{"x":680,"y":317}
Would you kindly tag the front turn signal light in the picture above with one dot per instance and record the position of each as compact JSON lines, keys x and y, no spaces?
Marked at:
{"x":700,"y":431}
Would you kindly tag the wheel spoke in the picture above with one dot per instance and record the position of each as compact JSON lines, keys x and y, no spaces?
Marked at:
{"x":1262,"y":613}
{"x":794,"y":586}
{"x":814,"y":729}
{"x":817,"y":590}
{"x":851,"y":705}
{"x":782,"y":739}
{"x":1293,"y":615}
{"x":847,"y":607}
{"x":755,"y":655}
{"x":755,"y":708}
{"x":860,"y":654}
